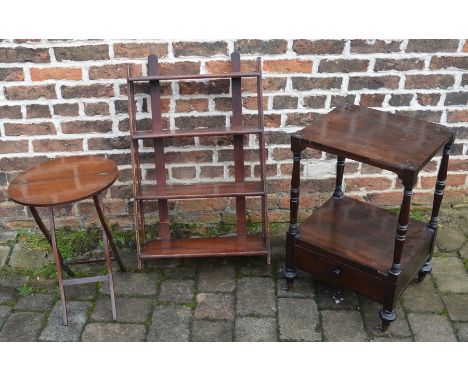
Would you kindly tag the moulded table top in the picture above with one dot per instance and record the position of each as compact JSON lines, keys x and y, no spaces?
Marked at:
{"x":392,"y":142}
{"x":63,"y":180}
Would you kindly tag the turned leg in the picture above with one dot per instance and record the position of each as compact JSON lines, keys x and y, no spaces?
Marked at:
{"x":338,"y":193}
{"x":58,"y":266}
{"x":290,"y":271}
{"x":438,"y":196}
{"x":387,"y":315}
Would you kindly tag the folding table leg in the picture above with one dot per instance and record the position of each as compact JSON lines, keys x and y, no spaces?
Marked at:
{"x":58,"y":265}
{"x":108,"y":265}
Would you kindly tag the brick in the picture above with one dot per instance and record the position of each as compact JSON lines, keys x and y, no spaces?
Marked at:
{"x":430,"y":81}
{"x":188,"y":157}
{"x":187,"y":123}
{"x":310,"y":83}
{"x":385,"y":64}
{"x":211,"y":171}
{"x":184,"y":172}
{"x":11,"y":74}
{"x":464,"y":79}
{"x":190,"y":48}
{"x":287,"y":66}
{"x":271,"y":84}
{"x":10,"y":112}
{"x":372,"y":100}
{"x":66,"y":109}
{"x":338,"y":100}
{"x":16,"y":164}
{"x":252,"y":46}
{"x":22,"y":54}
{"x":285,"y":102}
{"x":367,"y":184}
{"x":428,"y":99}
{"x":116,"y":143}
{"x":96,"y":108}
{"x":343,"y":66}
{"x":137,"y":50}
{"x":318,"y":46}
{"x":30,"y":92}
{"x":426,"y":115}
{"x":7,"y":147}
{"x":459,"y":98}
{"x":38,"y":111}
{"x":375,"y":82}
{"x":205,"y":88}
{"x":452,"y":180}
{"x":400,"y":99}
{"x":82,"y":53}
{"x":44,"y":74}
{"x":186,"y":106}
{"x":457,"y":116}
{"x":432,"y":46}
{"x":79,"y":127}
{"x":446,"y":62}
{"x":48,"y":145}
{"x":375,"y":46}
{"x":112,"y":71}
{"x":458,"y":165}
{"x":218,"y":67}
{"x":87,"y":91}
{"x":16,"y":129}
{"x":314,"y":102}
{"x":250,"y":103}
{"x":301,"y":119}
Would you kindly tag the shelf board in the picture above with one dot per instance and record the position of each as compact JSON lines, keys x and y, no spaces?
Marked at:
{"x":204,"y":132}
{"x":194,"y":76}
{"x":202,"y":247}
{"x":361,"y":234}
{"x":202,"y":190}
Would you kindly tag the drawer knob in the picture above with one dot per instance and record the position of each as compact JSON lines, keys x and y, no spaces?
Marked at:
{"x":336,"y":272}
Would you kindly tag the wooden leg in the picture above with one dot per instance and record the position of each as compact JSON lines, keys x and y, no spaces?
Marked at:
{"x":290,"y":271}
{"x":46,"y":233}
{"x":100,"y":213}
{"x":58,"y":266}
{"x":338,"y":193}
{"x":387,"y":315}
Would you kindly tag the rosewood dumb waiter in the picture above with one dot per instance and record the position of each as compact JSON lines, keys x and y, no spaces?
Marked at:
{"x":66,"y":180}
{"x":353,"y":244}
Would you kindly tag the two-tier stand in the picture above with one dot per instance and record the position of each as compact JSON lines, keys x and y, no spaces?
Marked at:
{"x":353,"y":244}
{"x":241,"y":244}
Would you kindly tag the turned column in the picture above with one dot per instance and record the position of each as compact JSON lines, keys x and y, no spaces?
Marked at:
{"x":338,"y":193}
{"x":290,"y":271}
{"x":438,"y":196}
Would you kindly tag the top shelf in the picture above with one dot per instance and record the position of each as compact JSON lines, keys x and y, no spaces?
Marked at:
{"x":194,"y":76}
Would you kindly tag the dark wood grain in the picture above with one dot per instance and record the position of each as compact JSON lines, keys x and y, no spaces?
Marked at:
{"x":179,"y":77}
{"x":199,"y":132}
{"x":63,"y":180}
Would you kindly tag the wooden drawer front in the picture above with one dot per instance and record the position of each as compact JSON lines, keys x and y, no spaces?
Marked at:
{"x":338,"y":274}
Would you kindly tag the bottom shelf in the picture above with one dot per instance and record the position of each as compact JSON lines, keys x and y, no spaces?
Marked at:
{"x":250,"y":245}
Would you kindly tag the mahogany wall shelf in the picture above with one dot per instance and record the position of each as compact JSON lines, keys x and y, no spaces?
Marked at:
{"x":241,"y":244}
{"x":353,"y":244}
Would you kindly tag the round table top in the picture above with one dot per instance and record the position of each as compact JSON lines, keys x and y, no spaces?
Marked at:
{"x":63,"y":180}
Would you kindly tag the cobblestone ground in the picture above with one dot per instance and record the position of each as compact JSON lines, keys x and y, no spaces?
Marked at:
{"x":236,"y":300}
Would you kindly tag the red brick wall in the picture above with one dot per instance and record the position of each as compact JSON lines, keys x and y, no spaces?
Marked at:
{"x":66,"y":97}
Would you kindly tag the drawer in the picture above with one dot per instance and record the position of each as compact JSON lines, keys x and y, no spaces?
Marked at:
{"x":336,"y":273}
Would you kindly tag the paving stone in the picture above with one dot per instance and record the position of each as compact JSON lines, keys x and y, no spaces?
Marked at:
{"x":303,"y":287}
{"x":330,"y":296}
{"x":13,"y":282}
{"x":253,"y":329}
{"x":22,"y":326}
{"x":81,"y":291}
{"x":171,"y":323}
{"x":35,"y":302}
{"x":24,"y":259}
{"x":177,"y":291}
{"x":463,"y":223}
{"x":256,"y":296}
{"x":130,"y":283}
{"x":450,"y":275}
{"x":255,"y":267}
{"x":113,"y":332}
{"x":55,"y":331}
{"x":462,"y":331}
{"x":217,"y":279}
{"x":7,"y":294}
{"x":4,"y":252}
{"x":4,"y":312}
{"x":450,"y":239}
{"x":181,"y":272}
{"x":464,"y":251}
{"x":129,"y":309}
{"x":211,"y":331}
{"x":343,"y":325}
{"x":422,"y":297}
{"x":431,"y":327}
{"x":399,"y":327}
{"x":298,"y":319}
{"x":457,"y":306}
{"x":391,"y":339}
{"x":215,"y":306}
